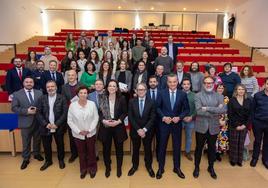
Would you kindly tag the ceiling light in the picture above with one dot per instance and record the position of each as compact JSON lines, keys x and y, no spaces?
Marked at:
{"x":152,"y":8}
{"x":119,"y":7}
{"x":184,"y":8}
{"x":216,"y":9}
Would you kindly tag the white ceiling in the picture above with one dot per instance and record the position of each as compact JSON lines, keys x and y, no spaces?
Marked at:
{"x":158,"y":5}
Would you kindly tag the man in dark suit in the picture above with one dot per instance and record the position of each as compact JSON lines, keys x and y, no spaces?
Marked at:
{"x":172,"y":107}
{"x":181,"y":74}
{"x":52,"y":74}
{"x":69,"y":92}
{"x":15,"y":76}
{"x":52,"y":114}
{"x":161,"y":78}
{"x":152,"y":51}
{"x":38,"y":74}
{"x":24,"y":104}
{"x":172,"y":48}
{"x":153,"y":93}
{"x":141,"y":114}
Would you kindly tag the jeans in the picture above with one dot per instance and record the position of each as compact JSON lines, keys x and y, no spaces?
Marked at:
{"x":188,"y":135}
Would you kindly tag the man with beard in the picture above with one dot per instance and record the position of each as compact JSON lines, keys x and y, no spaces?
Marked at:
{"x":209,"y":105}
{"x":165,"y":60}
{"x":52,"y":114}
{"x":24,"y":104}
{"x":196,"y":77}
{"x":38,"y":73}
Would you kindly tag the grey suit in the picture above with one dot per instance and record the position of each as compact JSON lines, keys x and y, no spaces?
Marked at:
{"x":27,"y":123}
{"x":208,"y":120}
{"x":128,"y":78}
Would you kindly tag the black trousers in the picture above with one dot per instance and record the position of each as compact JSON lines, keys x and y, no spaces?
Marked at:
{"x":260,"y":131}
{"x":107,"y":145}
{"x":147,"y":144}
{"x":72,"y":143}
{"x":201,"y":139}
{"x":231,"y":31}
{"x":47,"y":141}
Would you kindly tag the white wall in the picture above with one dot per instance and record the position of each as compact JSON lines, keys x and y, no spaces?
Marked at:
{"x":251,"y":23}
{"x":19,"y":21}
{"x":207,"y":22}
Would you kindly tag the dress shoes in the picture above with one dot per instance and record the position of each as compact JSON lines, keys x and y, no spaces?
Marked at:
{"x":132,"y":171}
{"x":72,"y":158}
{"x":196,"y":172}
{"x":232,"y":163}
{"x":46,"y":165}
{"x":212,"y":172}
{"x":265,"y":164}
{"x":159,"y":174}
{"x":61,"y":164}
{"x":83,"y":175}
{"x":253,"y":162}
{"x":24,"y":164}
{"x":119,"y":172}
{"x":92,"y":174}
{"x":107,"y":172}
{"x":151,"y":172}
{"x":189,"y":156}
{"x":39,"y":157}
{"x":179,"y":173}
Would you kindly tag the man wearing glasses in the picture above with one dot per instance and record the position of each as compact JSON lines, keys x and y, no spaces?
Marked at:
{"x":209,"y":105}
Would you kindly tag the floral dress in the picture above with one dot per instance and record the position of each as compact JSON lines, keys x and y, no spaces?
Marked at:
{"x":222,"y":144}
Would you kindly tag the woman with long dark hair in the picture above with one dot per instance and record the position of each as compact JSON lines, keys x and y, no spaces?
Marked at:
{"x":30,"y":62}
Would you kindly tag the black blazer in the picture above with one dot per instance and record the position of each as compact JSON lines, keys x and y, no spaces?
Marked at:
{"x":144,"y":121}
{"x":175,"y":51}
{"x":46,"y":77}
{"x":120,"y":112}
{"x":60,"y":112}
{"x":13,"y":81}
{"x":185,"y":75}
{"x":152,"y":54}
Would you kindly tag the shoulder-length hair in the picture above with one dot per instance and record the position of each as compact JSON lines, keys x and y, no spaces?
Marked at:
{"x":102,"y":70}
{"x":250,"y":71}
{"x":118,"y":92}
{"x":29,"y":55}
{"x":235,"y":90}
{"x":191,"y":70}
{"x":90,"y":62}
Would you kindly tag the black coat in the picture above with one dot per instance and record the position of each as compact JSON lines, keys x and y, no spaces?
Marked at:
{"x":60,"y":112}
{"x":47,"y":77}
{"x":144,"y":121}
{"x":120,"y":112}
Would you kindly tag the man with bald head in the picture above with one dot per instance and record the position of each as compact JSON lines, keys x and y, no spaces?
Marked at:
{"x":165,"y":60}
{"x":69,"y":92}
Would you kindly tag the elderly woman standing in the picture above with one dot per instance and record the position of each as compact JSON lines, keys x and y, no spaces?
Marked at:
{"x":83,"y":119}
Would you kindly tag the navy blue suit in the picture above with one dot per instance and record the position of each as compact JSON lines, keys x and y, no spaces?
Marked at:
{"x":38,"y":79}
{"x":13,"y":81}
{"x":47,"y":76}
{"x":175,"y":51}
{"x":181,"y":109}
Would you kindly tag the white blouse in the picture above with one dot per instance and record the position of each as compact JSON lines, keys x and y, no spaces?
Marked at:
{"x":83,"y":118}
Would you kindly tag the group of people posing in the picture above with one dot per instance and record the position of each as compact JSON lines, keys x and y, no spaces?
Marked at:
{"x":95,"y":99}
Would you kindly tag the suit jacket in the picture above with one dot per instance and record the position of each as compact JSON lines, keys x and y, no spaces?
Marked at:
{"x":184,"y":76}
{"x":144,"y":121}
{"x":94,"y":97}
{"x":47,"y":76}
{"x":120,"y":112}
{"x":175,"y":51}
{"x":20,"y":105}
{"x":208,"y":120}
{"x":162,"y":82}
{"x":13,"y":81}
{"x":38,"y":79}
{"x":181,"y":107}
{"x":60,"y":112}
{"x":66,"y":92}
{"x":128,"y":78}
{"x":152,"y":54}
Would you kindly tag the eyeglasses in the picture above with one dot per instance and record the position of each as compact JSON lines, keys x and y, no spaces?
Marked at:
{"x":208,"y":83}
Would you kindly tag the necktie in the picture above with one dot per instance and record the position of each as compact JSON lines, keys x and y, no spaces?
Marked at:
{"x":141,"y":107}
{"x":53,"y":76}
{"x":31,"y":97}
{"x":172,"y":100}
{"x":20,"y":74}
{"x":153,"y":95}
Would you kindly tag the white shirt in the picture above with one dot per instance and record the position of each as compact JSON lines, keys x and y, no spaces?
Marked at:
{"x":111,"y":105}
{"x":83,"y":119}
{"x":27,"y":94}
{"x":81,"y":64}
{"x":170,"y":50}
{"x":180,"y":76}
{"x":155,"y":93}
{"x":140,"y":78}
{"x":18,"y":71}
{"x":51,"y":101}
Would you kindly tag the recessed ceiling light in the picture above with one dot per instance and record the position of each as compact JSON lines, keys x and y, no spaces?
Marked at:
{"x":184,"y":8}
{"x":119,"y":7}
{"x":216,"y":9}
{"x":152,"y":8}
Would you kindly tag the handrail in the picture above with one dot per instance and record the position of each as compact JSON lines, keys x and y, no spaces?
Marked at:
{"x":9,"y":44}
{"x":252,"y":50}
